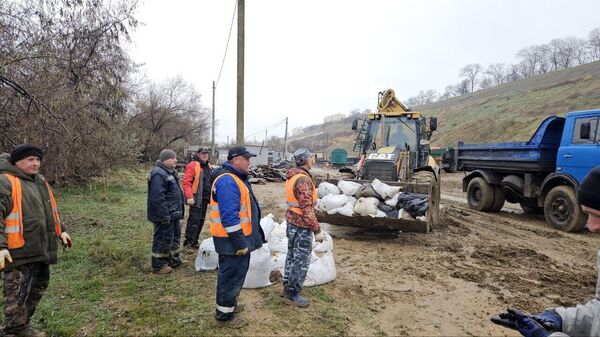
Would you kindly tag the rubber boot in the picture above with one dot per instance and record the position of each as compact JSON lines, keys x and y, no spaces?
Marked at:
{"x":296,"y":300}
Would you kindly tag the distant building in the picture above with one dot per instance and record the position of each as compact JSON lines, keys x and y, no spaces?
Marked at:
{"x":297,"y":131}
{"x":333,"y":118}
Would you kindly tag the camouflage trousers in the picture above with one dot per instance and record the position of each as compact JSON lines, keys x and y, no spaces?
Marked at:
{"x":297,"y":259}
{"x":23,"y":290}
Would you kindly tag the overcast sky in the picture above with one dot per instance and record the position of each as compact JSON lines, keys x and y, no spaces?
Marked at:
{"x":312,"y":58}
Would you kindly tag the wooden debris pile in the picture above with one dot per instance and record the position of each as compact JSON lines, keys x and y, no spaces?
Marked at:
{"x":263,"y":173}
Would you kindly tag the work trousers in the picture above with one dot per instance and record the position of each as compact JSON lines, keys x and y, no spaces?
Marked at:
{"x":23,"y":290}
{"x":165,"y":244}
{"x":195,"y":223}
{"x":230,"y":279}
{"x":297,"y":260}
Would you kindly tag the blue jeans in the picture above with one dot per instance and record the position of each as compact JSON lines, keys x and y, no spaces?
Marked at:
{"x":297,"y":260}
{"x":230,"y":279}
{"x":165,"y":245}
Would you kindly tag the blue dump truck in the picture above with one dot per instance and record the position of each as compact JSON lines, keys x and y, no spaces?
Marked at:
{"x":542,"y":175}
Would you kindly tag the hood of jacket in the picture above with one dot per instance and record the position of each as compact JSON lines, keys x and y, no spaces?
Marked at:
{"x":7,"y":167}
{"x":297,"y":170}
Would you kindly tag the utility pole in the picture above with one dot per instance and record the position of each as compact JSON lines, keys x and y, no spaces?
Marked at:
{"x":227,"y":146}
{"x":285,"y":140}
{"x":240,"y":73}
{"x":213,"y":123}
{"x":265,"y":135}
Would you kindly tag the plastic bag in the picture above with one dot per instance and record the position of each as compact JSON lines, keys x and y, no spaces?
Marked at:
{"x":348,"y":187}
{"x":326,"y":188}
{"x":366,"y":206}
{"x":394,"y":200}
{"x":207,"y":258}
{"x":259,"y":269}
{"x":384,"y":190}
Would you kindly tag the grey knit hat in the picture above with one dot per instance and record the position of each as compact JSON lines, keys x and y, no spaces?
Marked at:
{"x":301,"y":156}
{"x":167,"y":154}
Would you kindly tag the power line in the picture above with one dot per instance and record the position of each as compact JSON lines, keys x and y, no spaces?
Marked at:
{"x":281,"y":122}
{"x":227,"y":45}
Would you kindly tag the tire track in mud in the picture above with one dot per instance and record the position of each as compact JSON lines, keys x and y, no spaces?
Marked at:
{"x":517,"y":261}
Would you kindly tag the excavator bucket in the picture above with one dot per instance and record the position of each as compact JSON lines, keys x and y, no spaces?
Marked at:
{"x":422,"y":182}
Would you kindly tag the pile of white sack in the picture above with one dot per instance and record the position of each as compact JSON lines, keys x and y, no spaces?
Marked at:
{"x":271,"y":257}
{"x":375,"y":199}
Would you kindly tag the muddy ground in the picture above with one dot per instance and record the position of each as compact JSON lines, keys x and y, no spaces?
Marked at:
{"x":450,"y":281}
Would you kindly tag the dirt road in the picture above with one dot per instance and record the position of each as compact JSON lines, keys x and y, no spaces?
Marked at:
{"x":450,"y":281}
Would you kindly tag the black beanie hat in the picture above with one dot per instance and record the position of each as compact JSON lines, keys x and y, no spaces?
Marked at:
{"x":23,"y":151}
{"x":589,"y":190}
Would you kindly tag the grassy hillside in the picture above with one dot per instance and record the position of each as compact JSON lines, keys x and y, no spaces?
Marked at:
{"x":509,"y":112}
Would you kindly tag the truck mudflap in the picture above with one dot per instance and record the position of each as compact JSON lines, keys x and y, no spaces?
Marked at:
{"x":422,"y":182}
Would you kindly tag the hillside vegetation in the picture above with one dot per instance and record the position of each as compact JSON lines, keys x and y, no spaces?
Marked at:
{"x":509,"y":112}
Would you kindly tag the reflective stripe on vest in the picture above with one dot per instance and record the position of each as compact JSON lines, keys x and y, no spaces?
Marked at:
{"x":197,"y":174}
{"x":14,"y":221}
{"x":214,"y":218}
{"x":292,"y":201}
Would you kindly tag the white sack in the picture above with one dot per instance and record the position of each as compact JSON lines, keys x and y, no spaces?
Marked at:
{"x":326,"y":188}
{"x":278,"y":261}
{"x":403,"y":214}
{"x":394,"y":200}
{"x":324,"y":246}
{"x":346,"y":210}
{"x":348,"y":187}
{"x":366,"y":206}
{"x":321,"y":270}
{"x":278,"y":241}
{"x":259,"y":269}
{"x":380,"y":214}
{"x":333,"y":201}
{"x":207,"y":258}
{"x":267,"y":223}
{"x":384,"y":190}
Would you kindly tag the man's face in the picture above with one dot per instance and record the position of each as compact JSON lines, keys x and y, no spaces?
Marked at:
{"x":171,"y":163}
{"x":30,"y":165}
{"x":241,"y":163}
{"x":593,"y":218}
{"x":203,"y":156}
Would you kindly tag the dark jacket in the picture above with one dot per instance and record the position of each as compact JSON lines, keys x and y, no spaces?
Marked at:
{"x":227,"y":195}
{"x":41,"y":242}
{"x":165,"y":198}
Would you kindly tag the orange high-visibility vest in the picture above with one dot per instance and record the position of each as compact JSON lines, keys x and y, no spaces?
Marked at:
{"x":292,"y":201}
{"x":216,"y":227}
{"x":197,"y":174}
{"x":14,"y":221}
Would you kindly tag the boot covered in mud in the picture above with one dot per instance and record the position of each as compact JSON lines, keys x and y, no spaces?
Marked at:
{"x":295,"y":299}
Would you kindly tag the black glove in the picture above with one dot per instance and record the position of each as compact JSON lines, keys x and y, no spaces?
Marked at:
{"x":516,"y":320}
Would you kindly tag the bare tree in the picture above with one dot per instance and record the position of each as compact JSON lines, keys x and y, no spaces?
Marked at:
{"x":471,"y":72}
{"x":496,"y":72}
{"x":166,"y":113}
{"x":69,"y":69}
{"x":594,"y":44}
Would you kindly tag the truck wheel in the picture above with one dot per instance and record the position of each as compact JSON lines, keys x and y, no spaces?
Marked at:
{"x":531,"y":209}
{"x":480,"y":194}
{"x":499,"y":199}
{"x":562,"y":210}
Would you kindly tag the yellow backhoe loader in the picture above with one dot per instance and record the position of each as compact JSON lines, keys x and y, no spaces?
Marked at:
{"x":394,"y":147}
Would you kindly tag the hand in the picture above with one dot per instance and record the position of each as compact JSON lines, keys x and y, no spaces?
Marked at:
{"x":4,"y":255}
{"x":319,"y":236}
{"x":242,"y":252}
{"x":66,"y":240}
{"x":550,"y":320}
{"x":190,"y":202}
{"x":527,"y":326}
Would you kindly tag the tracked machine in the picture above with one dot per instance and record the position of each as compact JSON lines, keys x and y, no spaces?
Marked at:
{"x":393,"y":144}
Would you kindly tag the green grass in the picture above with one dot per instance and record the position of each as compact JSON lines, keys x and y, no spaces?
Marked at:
{"x":103,"y":285}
